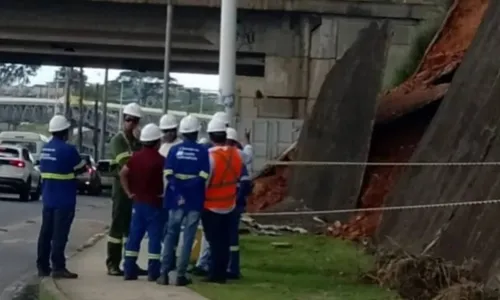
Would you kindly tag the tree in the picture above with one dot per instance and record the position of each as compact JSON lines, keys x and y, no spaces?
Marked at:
{"x":146,"y":87}
{"x":16,"y":73}
{"x":75,"y":75}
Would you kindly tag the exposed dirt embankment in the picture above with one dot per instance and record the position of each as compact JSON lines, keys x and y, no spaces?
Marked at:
{"x":399,"y":128}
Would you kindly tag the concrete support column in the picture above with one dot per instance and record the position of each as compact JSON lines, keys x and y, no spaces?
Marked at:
{"x":227,"y":55}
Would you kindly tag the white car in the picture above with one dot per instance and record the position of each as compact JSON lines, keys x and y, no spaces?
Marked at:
{"x":18,"y":173}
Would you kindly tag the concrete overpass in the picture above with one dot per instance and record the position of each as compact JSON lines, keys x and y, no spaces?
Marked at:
{"x":285,"y":47}
{"x":129,"y":34}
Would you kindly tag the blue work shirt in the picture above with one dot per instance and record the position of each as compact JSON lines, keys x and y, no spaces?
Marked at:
{"x":58,"y":163}
{"x":186,"y":169}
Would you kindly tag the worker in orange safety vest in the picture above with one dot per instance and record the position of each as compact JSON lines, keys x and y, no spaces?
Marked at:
{"x":227,"y":169}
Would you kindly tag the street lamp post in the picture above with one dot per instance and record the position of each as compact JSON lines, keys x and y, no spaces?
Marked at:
{"x":104,"y":120}
{"x":166,"y":60}
{"x":227,"y":55}
{"x":122,"y":80}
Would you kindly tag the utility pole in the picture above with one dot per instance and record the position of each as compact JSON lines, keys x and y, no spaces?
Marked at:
{"x":104,"y":120}
{"x":166,"y":60}
{"x":227,"y":56}
{"x":80,"y":112}
{"x":67,"y":93}
{"x":96,"y":123}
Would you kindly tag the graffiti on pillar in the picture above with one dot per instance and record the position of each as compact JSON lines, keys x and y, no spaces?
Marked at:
{"x":227,"y":101}
{"x":245,"y":36}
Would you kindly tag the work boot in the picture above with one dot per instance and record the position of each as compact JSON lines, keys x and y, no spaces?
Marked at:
{"x":214,"y":280}
{"x":233,"y":276}
{"x":197,"y":271}
{"x":130,"y":276}
{"x":162,"y":280}
{"x":44,"y":272}
{"x":141,"y":272}
{"x":114,"y":271}
{"x":183,"y":281}
{"x":64,"y":274}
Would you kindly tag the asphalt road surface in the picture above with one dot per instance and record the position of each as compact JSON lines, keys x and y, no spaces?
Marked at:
{"x":20,"y":224}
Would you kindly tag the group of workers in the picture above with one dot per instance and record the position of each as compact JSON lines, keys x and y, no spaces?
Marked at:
{"x":164,"y":186}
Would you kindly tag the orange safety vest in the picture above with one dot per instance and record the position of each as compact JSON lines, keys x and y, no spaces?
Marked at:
{"x":226,"y":172}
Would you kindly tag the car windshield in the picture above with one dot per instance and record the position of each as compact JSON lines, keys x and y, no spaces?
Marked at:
{"x":31,"y":146}
{"x":9,"y":152}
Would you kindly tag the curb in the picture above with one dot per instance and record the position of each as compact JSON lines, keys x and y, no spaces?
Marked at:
{"x":48,"y":289}
{"x":28,"y":286}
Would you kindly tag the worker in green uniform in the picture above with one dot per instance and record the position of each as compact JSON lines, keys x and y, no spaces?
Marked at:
{"x":122,"y":145}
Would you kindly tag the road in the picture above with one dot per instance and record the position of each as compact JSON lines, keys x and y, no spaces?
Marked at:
{"x":19,"y":227}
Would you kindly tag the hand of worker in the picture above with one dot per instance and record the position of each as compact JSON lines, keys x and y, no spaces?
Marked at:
{"x":131,"y":196}
{"x":247,"y":135}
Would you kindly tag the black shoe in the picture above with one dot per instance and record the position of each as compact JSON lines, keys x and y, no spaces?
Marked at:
{"x":44,"y":273}
{"x":153,"y":278}
{"x":197,"y":271}
{"x":183,"y":281}
{"x":64,"y":274}
{"x":214,"y":280}
{"x":141,"y":272}
{"x":233,"y":276}
{"x":130,"y":277}
{"x":162,"y":280}
{"x":114,"y":271}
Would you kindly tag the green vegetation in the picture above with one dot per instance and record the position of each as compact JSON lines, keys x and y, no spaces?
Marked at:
{"x":315,"y":267}
{"x":425,"y":34}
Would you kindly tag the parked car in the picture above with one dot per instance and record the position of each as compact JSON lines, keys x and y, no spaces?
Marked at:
{"x":104,"y":169}
{"x":32,"y":141}
{"x":90,"y":181}
{"x":18,"y":174}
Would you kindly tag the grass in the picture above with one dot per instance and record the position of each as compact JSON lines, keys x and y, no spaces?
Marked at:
{"x":314,"y":268}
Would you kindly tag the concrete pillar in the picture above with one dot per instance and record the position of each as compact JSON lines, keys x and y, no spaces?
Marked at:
{"x":227,"y":55}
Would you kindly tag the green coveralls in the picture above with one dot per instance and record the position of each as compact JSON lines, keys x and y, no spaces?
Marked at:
{"x":121,"y":149}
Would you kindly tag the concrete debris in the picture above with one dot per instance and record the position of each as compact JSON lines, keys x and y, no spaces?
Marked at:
{"x":331,"y":133}
{"x":472,"y":96}
{"x":281,"y":245}
{"x":402,"y":118}
{"x":270,"y":229}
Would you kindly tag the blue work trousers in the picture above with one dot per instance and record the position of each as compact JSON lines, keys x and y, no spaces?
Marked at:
{"x":217,"y":232}
{"x":56,"y":224}
{"x":234,"y":244}
{"x":177,"y":218}
{"x":145,"y":218}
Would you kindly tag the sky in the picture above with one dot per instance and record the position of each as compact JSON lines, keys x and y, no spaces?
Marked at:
{"x":202,"y":81}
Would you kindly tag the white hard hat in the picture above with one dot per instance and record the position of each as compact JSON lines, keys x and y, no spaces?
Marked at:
{"x":222,"y":116}
{"x":232,"y":134}
{"x":167,"y":122}
{"x":189,"y":124}
{"x":216,"y":125}
{"x":150,"y":132}
{"x":133,"y":109}
{"x":203,"y":140}
{"x":58,"y":123}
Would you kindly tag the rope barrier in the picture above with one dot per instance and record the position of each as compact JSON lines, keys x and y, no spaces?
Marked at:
{"x":380,"y":164}
{"x":370,"y":209}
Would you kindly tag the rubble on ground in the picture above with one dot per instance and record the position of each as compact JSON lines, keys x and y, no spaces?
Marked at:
{"x":394,"y":137}
{"x":422,"y":277}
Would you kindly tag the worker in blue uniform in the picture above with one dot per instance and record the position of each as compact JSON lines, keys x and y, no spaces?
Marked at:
{"x":187,"y":169}
{"x":60,"y":162}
